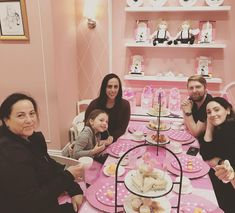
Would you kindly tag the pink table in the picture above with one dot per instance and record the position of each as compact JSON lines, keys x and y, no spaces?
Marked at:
{"x":201,"y":186}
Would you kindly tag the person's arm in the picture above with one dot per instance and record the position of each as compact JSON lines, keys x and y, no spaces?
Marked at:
{"x":195,"y":128}
{"x":125,"y":118}
{"x":20,"y":180}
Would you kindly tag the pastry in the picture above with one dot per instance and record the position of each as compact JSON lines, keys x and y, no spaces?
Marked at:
{"x":197,"y":210}
{"x":110,"y":194}
{"x":138,"y":180}
{"x":112,"y":169}
{"x":144,"y":209}
{"x":156,"y":207}
{"x":159,"y":184}
{"x":148,"y":184}
{"x":136,"y":203}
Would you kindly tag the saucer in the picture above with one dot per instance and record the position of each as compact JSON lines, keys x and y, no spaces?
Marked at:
{"x":138,"y":140}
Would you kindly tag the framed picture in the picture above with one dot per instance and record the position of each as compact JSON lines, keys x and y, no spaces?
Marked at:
{"x":204,"y":67}
{"x":13,"y":20}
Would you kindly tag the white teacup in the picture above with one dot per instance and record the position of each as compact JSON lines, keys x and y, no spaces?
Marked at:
{"x":175,"y":147}
{"x":177,"y":125}
{"x":186,"y":185}
{"x":125,"y":160}
{"x":138,"y":135}
{"x":86,"y":162}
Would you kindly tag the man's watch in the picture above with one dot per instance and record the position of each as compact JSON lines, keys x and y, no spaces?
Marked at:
{"x":188,"y":113}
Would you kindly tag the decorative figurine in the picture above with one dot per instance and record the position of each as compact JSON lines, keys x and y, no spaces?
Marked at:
{"x":204,"y":67}
{"x":207,"y":33}
{"x":137,"y":67}
{"x":186,"y":35}
{"x":142,"y":31}
{"x":161,"y":35}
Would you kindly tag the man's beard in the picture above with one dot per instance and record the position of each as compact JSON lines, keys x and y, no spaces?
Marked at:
{"x":197,"y":98}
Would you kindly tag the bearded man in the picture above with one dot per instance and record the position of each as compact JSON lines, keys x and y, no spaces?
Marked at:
{"x":194,"y":108}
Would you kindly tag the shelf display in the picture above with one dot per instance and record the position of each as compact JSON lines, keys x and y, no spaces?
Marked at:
{"x":161,"y":35}
{"x":187,"y":3}
{"x":157,"y":3}
{"x":204,"y":66}
{"x":137,"y":67}
{"x":207,"y":32}
{"x":142,"y":31}
{"x":214,"y":3}
{"x":186,"y":35}
{"x":134,"y":3}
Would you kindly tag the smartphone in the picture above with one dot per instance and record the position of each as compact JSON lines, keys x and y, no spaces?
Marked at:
{"x":192,"y":151}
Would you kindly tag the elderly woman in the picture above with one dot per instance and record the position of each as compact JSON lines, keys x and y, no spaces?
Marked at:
{"x":217,"y":147}
{"x":30,"y":181}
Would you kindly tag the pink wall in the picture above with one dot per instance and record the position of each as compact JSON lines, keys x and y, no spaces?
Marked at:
{"x":64,"y":61}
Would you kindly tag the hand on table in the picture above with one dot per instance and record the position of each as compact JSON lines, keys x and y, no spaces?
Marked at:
{"x":77,"y":171}
{"x":77,"y":202}
{"x":98,"y":148}
{"x":70,"y":149}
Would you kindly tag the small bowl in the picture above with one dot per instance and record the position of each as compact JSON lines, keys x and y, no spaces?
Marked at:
{"x":86,"y":162}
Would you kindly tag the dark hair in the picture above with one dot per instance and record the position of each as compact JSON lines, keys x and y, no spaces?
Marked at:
{"x":6,"y":106}
{"x":102,"y":99}
{"x":226,"y":105}
{"x":198,"y":78}
{"x":93,"y":115}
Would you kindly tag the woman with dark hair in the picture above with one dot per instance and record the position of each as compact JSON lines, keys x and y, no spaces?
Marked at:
{"x":30,"y":180}
{"x":217,"y":147}
{"x":110,"y":100}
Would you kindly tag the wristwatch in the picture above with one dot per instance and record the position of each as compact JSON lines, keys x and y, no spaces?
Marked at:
{"x":188,"y":113}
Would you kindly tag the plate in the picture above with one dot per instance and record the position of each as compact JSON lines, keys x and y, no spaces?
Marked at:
{"x":155,"y":128}
{"x":106,"y":194}
{"x":188,"y":163}
{"x":188,"y":204}
{"x":214,"y":3}
{"x":179,"y":135}
{"x":191,"y":175}
{"x":121,"y":170}
{"x":184,"y":192}
{"x":151,"y":193}
{"x":124,"y":146}
{"x":187,"y":3}
{"x":155,"y":113}
{"x":151,"y":141}
{"x":162,"y":200}
{"x":157,"y":3}
{"x":134,"y":3}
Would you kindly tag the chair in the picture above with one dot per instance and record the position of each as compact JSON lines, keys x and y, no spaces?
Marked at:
{"x":82,"y":105}
{"x":228,"y":92}
{"x":64,"y":160}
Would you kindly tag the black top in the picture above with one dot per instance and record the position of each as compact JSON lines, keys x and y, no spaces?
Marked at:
{"x":30,"y":181}
{"x":222,"y":146}
{"x":199,"y":114}
{"x":119,"y":117}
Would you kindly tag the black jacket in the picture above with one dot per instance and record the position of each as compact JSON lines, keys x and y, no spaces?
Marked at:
{"x":30,"y":181}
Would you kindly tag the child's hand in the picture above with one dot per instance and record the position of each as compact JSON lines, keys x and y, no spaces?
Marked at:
{"x":97,"y":149}
{"x":70,"y":149}
{"x":109,"y":140}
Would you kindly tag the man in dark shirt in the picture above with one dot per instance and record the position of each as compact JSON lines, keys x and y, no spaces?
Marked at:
{"x":194,"y":108}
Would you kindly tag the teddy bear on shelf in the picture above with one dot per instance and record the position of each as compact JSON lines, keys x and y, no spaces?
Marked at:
{"x":137,"y":67}
{"x":161,"y":35}
{"x":186,"y":35}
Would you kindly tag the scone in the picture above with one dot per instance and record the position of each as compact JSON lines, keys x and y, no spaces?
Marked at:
{"x":138,"y":181}
{"x":136,"y":203}
{"x":159,"y":184}
{"x":148,"y":184}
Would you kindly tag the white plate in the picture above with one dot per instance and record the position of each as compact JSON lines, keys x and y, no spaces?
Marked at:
{"x":157,"y":3}
{"x":168,"y":126}
{"x":214,"y":3}
{"x":150,"y":140}
{"x":121,"y":171}
{"x":134,"y":3}
{"x":162,"y":200}
{"x":187,"y":3}
{"x":151,"y":193}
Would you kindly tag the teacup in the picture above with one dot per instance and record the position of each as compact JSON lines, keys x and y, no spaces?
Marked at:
{"x":175,"y":147}
{"x":138,"y":135}
{"x":186,"y":185}
{"x":177,"y":125}
{"x":125,"y":160}
{"x":86,"y":162}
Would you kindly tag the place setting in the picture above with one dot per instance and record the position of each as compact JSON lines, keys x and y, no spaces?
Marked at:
{"x":192,"y":167}
{"x":181,"y":136}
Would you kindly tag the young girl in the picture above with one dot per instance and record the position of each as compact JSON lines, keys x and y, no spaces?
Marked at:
{"x":88,"y":142}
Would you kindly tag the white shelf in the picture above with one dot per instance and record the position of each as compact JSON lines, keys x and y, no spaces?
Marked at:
{"x":178,"y":9}
{"x":139,"y":44}
{"x":165,"y":78}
